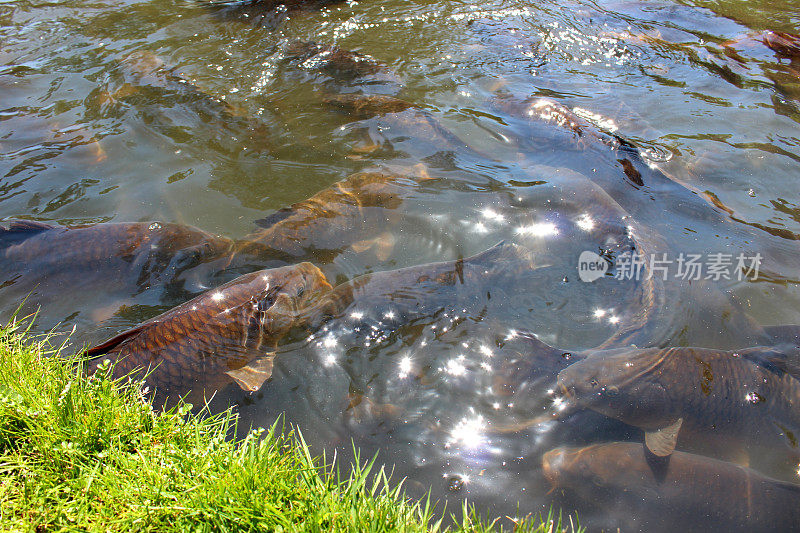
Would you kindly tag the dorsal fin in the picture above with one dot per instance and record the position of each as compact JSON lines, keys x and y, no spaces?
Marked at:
{"x":783,"y":358}
{"x":784,"y":333}
{"x":25,"y":226}
{"x":273,"y":218}
{"x":113,"y":342}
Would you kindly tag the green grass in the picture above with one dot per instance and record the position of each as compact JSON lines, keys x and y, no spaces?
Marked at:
{"x":87,"y":453}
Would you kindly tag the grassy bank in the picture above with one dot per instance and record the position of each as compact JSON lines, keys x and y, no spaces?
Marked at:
{"x":82,"y":453}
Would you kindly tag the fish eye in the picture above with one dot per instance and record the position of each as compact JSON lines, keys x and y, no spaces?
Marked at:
{"x":612,"y":390}
{"x":593,"y":383}
{"x":301,"y":291}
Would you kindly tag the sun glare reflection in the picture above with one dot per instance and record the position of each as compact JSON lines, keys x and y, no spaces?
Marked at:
{"x":468,"y":432}
{"x":405,"y":366}
{"x":538,"y":229}
{"x":585,"y":222}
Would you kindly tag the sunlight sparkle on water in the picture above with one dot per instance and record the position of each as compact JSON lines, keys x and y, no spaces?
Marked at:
{"x":489,"y":213}
{"x":613,"y":319}
{"x":455,"y":366}
{"x":480,"y":227}
{"x":599,"y":313}
{"x":357,"y":315}
{"x":538,"y":229}
{"x":405,"y":366}
{"x":559,"y":403}
{"x":217,"y":296}
{"x":468,"y":432}
{"x":330,"y":341}
{"x":585,"y":222}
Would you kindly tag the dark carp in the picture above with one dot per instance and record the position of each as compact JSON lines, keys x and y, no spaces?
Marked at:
{"x":133,"y":256}
{"x":782,"y":43}
{"x":685,"y":492}
{"x":751,"y":395}
{"x":421,"y":291}
{"x":226,"y":334}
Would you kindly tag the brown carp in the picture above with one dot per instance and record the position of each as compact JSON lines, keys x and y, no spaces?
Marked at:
{"x":164,"y":98}
{"x":782,"y":43}
{"x":133,"y":256}
{"x":685,"y":492}
{"x":361,"y":107}
{"x":334,"y":61}
{"x":751,"y":396}
{"x":226,"y":334}
{"x":349,"y":214}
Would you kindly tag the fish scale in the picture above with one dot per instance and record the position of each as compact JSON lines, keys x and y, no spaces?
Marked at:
{"x":194,"y":345}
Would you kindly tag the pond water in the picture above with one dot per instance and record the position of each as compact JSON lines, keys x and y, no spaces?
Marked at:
{"x":556,"y":128}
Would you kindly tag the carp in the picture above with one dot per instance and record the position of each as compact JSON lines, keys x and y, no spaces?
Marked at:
{"x":685,"y":492}
{"x":136,"y":256}
{"x":346,"y":215}
{"x":226,"y":334}
{"x":421,"y":291}
{"x":750,"y":395}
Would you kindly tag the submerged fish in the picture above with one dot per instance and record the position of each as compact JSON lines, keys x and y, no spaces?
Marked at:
{"x":165,"y":100}
{"x":136,"y":256}
{"x":685,"y":492}
{"x":783,"y":43}
{"x":356,"y":213}
{"x":336,"y":62}
{"x":422,"y":291}
{"x":361,"y":107}
{"x":226,"y":334}
{"x":750,"y":395}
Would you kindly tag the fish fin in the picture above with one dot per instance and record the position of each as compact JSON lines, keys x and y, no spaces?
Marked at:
{"x":662,"y":441}
{"x":781,"y":359}
{"x":272,"y":219}
{"x":384,"y":246}
{"x":362,"y":246}
{"x":253,"y":375}
{"x":22,"y":226}
{"x":114,"y":342}
{"x":784,"y":333}
{"x":421,"y":171}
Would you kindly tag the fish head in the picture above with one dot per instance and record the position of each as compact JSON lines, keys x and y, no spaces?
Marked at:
{"x":268,"y":303}
{"x":174,"y":247}
{"x":305,"y":284}
{"x":286,"y":292}
{"x":593,"y":471}
{"x":623,"y":384}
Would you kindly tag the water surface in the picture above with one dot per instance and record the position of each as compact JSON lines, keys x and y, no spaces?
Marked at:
{"x":85,"y":138}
